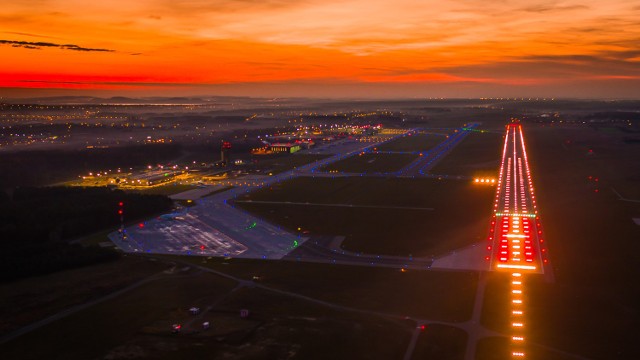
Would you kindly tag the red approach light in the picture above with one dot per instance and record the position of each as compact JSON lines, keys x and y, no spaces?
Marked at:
{"x":120,"y":204}
{"x":141,"y":225}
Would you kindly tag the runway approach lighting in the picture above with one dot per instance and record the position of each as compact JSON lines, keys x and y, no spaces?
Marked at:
{"x":484,"y":181}
{"x":515,"y":241}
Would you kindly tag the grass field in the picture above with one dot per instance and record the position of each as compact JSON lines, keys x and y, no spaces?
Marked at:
{"x":137,"y":324}
{"x":371,"y":163}
{"x":594,"y":248}
{"x":453,"y":215}
{"x":282,"y":163}
{"x":478,"y":155}
{"x":445,"y":296}
{"x":115,"y":322}
{"x":96,"y":238}
{"x":497,"y":302}
{"x":441,"y":342}
{"x":300,"y":330}
{"x":25,"y":301}
{"x":410,"y":143}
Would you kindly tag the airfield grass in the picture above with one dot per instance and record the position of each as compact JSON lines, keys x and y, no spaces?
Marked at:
{"x":499,"y":348}
{"x":441,"y":342}
{"x":592,"y":307}
{"x":28,"y":300}
{"x":443,"y":296}
{"x":96,"y":238}
{"x":496,"y":305}
{"x":292,"y":329}
{"x":477,"y":155}
{"x":92,"y":332}
{"x":371,"y":163}
{"x":282,"y":163}
{"x":446,"y":214}
{"x":137,"y":323}
{"x":411,"y":143}
{"x":593,"y":246}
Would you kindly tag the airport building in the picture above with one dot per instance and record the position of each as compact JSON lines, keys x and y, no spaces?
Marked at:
{"x":284,"y":147}
{"x":149,"y":178}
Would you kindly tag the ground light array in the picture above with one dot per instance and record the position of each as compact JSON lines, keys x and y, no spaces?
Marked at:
{"x":515,"y":237}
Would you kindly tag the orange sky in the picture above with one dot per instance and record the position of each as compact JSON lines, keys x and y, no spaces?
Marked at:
{"x":340,"y":48}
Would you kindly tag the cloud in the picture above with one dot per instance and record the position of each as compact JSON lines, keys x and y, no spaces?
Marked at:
{"x":555,"y":68}
{"x":545,"y":8}
{"x":28,"y":34}
{"x":40,"y":45}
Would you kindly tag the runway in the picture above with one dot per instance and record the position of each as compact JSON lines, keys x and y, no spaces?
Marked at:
{"x":516,"y":240}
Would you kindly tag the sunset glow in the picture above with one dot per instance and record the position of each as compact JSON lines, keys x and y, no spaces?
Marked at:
{"x":319,"y":48}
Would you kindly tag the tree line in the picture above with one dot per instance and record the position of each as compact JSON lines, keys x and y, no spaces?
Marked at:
{"x":36,"y":225}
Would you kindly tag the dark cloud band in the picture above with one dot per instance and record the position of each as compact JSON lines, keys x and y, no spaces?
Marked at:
{"x":40,"y":45}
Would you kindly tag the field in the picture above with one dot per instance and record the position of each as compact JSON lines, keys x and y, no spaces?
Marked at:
{"x":137,"y":323}
{"x":373,"y":289}
{"x":394,"y":216}
{"x":371,"y":163}
{"x":282,"y":163}
{"x":27,"y":300}
{"x":478,"y":155}
{"x":593,"y":245}
{"x":441,"y":342}
{"x":412,"y":143}
{"x":117,"y":321}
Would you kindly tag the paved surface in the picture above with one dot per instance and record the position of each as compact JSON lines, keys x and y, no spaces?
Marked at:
{"x":215,"y":228}
{"x":195,"y":194}
{"x":517,"y":241}
{"x":469,"y":258}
